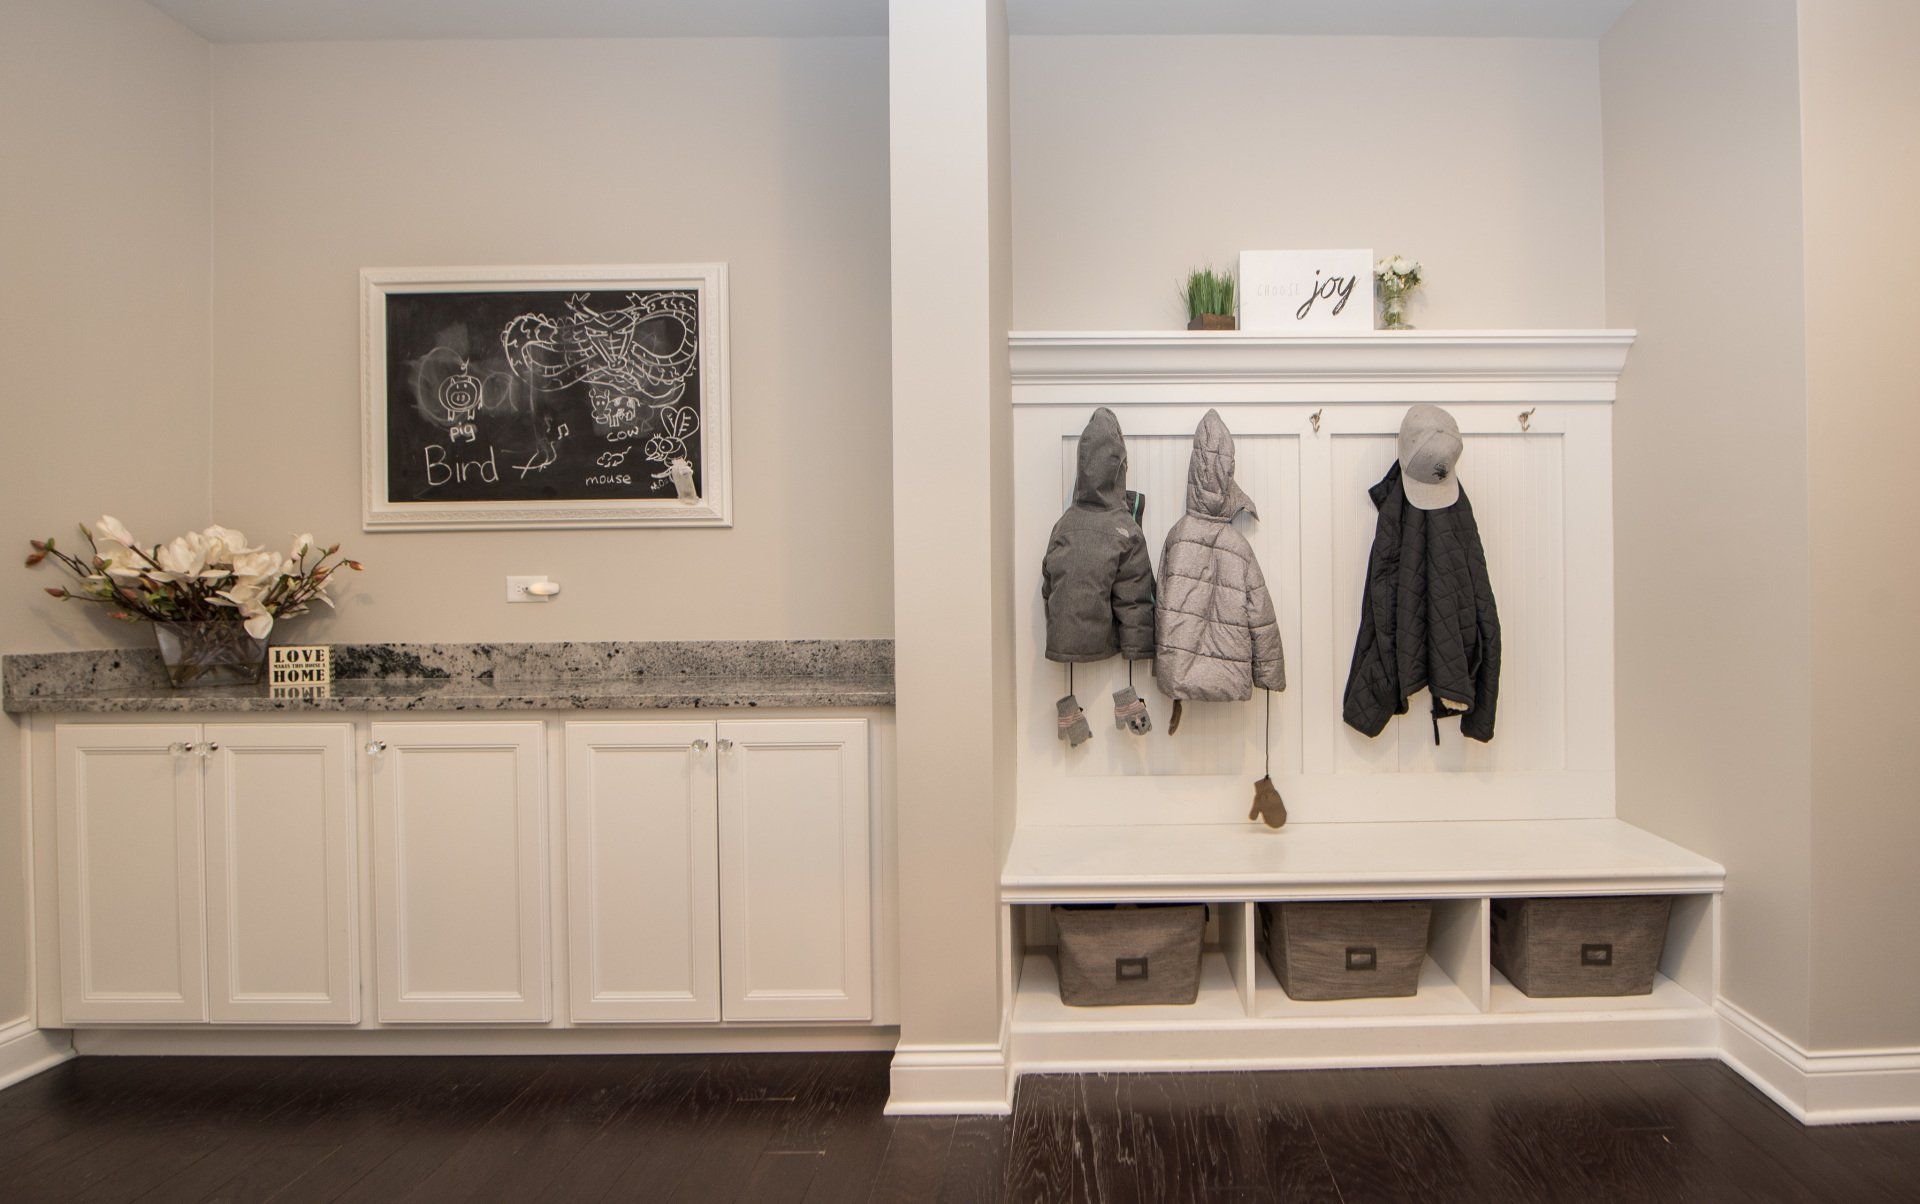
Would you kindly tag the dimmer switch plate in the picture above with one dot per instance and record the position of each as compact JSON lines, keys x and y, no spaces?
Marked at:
{"x":517,"y":590}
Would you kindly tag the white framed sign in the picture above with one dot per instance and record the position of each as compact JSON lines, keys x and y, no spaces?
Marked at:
{"x":299,"y":671}
{"x":1306,"y":292}
{"x":545,"y":397}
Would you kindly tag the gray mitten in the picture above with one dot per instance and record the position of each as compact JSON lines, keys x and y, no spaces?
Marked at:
{"x":1073,"y":722}
{"x":1130,"y":712}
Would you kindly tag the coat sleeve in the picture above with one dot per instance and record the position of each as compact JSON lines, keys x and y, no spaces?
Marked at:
{"x":1372,"y":695}
{"x":1269,"y":660}
{"x":1133,"y":600}
{"x":1477,"y":724}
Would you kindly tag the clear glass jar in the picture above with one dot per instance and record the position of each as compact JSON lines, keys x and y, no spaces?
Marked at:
{"x":211,"y":654}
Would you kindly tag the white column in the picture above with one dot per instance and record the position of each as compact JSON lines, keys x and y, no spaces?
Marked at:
{"x":952,"y":564}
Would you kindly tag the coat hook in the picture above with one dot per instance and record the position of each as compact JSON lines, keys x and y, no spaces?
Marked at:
{"x":1315,"y":419}
{"x":1526,"y":419}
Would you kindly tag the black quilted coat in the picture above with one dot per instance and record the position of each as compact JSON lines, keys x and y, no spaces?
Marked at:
{"x":1427,"y":618}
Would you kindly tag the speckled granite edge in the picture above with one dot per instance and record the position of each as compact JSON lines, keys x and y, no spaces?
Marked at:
{"x":455,"y":677}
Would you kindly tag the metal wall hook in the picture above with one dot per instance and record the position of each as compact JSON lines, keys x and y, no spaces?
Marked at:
{"x":1314,"y":418}
{"x":1526,"y":419}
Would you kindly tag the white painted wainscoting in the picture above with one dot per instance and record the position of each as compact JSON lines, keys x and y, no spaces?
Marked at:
{"x":1314,"y":422}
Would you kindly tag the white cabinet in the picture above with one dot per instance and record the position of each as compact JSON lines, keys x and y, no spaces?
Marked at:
{"x":206,"y":873}
{"x":795,"y":904}
{"x":281,"y":928}
{"x":460,"y":871}
{"x":131,"y":918}
{"x":643,"y":902}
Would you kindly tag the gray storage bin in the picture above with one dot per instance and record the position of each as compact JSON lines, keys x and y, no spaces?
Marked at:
{"x":1360,"y":950}
{"x":1557,"y":948}
{"x":1128,"y":954}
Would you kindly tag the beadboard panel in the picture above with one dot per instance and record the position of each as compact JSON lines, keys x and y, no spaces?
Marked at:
{"x":1543,"y":499}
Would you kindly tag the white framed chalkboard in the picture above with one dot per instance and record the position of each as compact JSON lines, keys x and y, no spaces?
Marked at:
{"x":545,"y":397}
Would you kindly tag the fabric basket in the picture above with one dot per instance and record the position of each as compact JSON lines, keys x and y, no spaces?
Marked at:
{"x":1357,"y":950}
{"x":1130,"y":955}
{"x":1556,"y":948}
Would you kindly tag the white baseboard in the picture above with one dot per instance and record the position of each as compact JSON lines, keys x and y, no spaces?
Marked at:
{"x":26,"y":1051}
{"x":208,"y":1042}
{"x":950,"y":1080}
{"x":1820,"y":1087}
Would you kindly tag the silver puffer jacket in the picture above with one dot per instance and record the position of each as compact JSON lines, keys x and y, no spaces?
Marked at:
{"x":1216,"y":632}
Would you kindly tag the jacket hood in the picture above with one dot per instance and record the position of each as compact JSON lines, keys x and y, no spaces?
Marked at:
{"x":1100,"y":479}
{"x":1211,"y":489}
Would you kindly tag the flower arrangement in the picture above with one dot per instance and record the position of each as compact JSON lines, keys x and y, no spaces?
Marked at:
{"x":212,"y":596}
{"x":1397,"y":277}
{"x":1208,"y":296}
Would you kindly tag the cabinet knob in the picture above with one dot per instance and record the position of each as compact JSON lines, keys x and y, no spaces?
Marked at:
{"x":726,"y":745}
{"x":699,"y":746}
{"x":376,"y":747}
{"x":208,"y":748}
{"x":179,"y":748}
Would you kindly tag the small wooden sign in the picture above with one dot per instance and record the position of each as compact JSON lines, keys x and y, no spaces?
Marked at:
{"x":302,"y":671}
{"x":1306,"y":292}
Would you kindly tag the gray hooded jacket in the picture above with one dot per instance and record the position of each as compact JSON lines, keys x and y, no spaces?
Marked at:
{"x":1096,"y":579}
{"x":1217,"y":632}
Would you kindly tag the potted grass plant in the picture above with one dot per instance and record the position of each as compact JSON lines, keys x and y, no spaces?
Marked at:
{"x":211,"y":596}
{"x":1208,"y":296}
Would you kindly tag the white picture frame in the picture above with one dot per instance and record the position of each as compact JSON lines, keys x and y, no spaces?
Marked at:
{"x":547,"y":391}
{"x":1306,"y":292}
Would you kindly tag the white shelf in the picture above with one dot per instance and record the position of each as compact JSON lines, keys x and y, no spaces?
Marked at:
{"x":1038,"y":1006}
{"x":1228,"y":862}
{"x":1437,"y":996}
{"x":1667,"y":996}
{"x":1505,"y":357}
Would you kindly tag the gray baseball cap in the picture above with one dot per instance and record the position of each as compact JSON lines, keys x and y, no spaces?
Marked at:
{"x":1430,"y":450}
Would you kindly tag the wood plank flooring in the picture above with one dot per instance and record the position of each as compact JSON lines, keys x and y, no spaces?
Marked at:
{"x":808,"y":1127}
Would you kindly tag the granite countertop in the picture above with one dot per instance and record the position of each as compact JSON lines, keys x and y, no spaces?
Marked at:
{"x":485,"y":677}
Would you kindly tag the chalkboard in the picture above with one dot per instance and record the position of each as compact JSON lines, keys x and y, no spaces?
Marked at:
{"x":550,"y":403}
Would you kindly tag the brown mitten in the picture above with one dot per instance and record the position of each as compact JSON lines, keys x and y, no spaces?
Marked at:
{"x":1173,"y":723}
{"x":1267,"y":805}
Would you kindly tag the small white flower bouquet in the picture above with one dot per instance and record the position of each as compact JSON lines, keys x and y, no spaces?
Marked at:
{"x":204,"y":590}
{"x":1397,"y":277}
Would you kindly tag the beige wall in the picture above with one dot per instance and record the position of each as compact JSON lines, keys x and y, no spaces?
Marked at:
{"x":1711,"y":574}
{"x":1861,"y":128}
{"x":103,"y":312}
{"x":1136,"y":158}
{"x":768,"y":154}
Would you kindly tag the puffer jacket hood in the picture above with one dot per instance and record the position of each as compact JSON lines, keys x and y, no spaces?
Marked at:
{"x":1100,"y":476}
{"x":1096,"y":580}
{"x":1211,"y":490}
{"x":1217,"y":633}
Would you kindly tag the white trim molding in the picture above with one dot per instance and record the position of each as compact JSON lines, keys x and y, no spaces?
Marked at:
{"x":1574,"y":364}
{"x":951,"y":1080}
{"x":1821,"y":1087}
{"x":26,"y":1050}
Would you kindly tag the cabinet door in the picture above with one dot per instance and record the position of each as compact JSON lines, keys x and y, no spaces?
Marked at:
{"x":460,"y":871}
{"x":643,"y":892}
{"x":131,"y":913}
{"x":795,"y":929}
{"x":280,"y":881}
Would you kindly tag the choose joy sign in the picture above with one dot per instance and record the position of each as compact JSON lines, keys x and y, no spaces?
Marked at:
{"x":1300,"y":291}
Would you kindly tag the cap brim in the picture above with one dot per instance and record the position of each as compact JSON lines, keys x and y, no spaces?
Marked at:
{"x":1431,"y":497}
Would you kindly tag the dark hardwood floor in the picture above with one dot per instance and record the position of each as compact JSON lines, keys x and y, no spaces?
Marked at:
{"x":808,"y":1127}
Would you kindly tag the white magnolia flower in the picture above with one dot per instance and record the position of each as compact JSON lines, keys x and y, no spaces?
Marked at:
{"x":111,"y":528}
{"x":302,"y":544}
{"x":227,"y":545}
{"x":261,"y":564}
{"x":121,"y":560}
{"x":259,"y":624}
{"x":1402,"y":266}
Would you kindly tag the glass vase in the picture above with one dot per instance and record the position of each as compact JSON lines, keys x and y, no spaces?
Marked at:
{"x":211,"y":654}
{"x":1393,"y":311}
